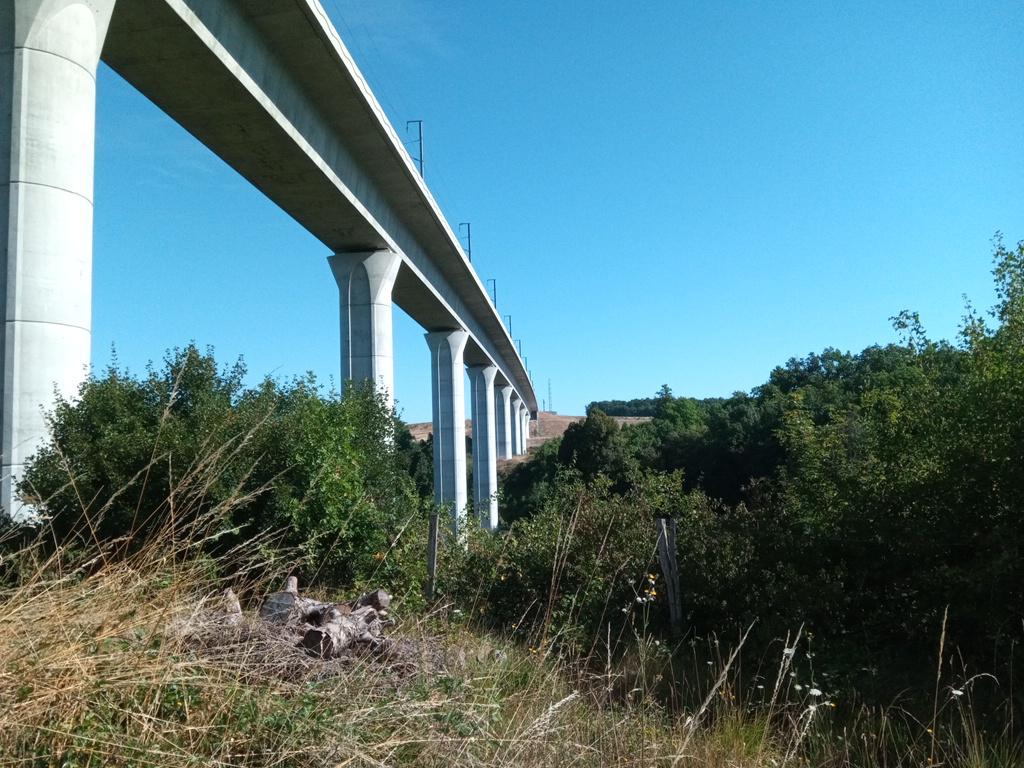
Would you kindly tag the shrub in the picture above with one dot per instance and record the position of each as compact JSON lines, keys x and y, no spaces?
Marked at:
{"x":572,"y":568}
{"x":322,"y":471}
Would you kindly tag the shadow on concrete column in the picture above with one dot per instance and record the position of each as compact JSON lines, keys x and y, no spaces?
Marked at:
{"x":485,"y":463}
{"x":365,"y":281}
{"x":48,"y":57}
{"x":448,"y":400}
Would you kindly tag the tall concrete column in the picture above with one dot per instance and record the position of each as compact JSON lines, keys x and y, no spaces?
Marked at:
{"x":517,"y":425}
{"x":503,"y":417}
{"x":485,"y":459}
{"x":524,"y":416}
{"x":49,"y":51}
{"x":365,"y":281}
{"x":449,"y":407}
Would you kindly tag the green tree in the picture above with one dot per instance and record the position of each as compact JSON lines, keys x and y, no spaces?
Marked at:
{"x":325,"y":474}
{"x":594,"y":446}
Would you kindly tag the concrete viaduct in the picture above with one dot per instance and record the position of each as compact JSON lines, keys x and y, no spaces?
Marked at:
{"x":268,"y":86}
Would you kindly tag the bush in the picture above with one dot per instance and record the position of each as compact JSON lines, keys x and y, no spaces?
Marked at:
{"x":573,"y":568}
{"x":527,"y":484}
{"x":320,"y":471}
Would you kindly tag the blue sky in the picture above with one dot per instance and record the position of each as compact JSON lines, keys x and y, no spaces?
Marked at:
{"x":666,"y":192}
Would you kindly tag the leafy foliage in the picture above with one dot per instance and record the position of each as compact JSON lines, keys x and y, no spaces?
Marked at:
{"x":328,"y":474}
{"x":526,"y":486}
{"x":643,"y":406}
{"x":857,"y":494}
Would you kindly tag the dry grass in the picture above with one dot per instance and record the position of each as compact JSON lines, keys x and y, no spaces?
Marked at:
{"x":114,"y":657}
{"x":126,"y":664}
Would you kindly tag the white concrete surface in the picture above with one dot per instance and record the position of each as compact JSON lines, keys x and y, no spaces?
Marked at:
{"x":49,"y":51}
{"x":365,"y":281}
{"x":503,"y":417}
{"x":524,"y":430}
{"x":517,"y":425}
{"x":485,"y":447}
{"x":447,"y":382}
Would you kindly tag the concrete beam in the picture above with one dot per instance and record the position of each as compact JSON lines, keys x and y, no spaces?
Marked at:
{"x":365,"y":281}
{"x":49,"y":51}
{"x":447,"y":376}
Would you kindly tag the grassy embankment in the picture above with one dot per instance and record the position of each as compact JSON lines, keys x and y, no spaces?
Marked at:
{"x":108,"y":659}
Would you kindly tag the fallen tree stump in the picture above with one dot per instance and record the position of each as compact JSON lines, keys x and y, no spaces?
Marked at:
{"x":327,"y":630}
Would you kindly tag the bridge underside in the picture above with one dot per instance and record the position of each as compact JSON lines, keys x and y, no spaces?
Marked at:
{"x":269,"y":87}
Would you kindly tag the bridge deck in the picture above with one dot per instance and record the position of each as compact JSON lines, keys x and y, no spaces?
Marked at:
{"x":269,"y":87}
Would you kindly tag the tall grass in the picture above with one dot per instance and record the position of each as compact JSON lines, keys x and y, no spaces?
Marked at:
{"x":120,"y":656}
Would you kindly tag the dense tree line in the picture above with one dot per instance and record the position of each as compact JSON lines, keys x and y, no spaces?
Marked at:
{"x":640,"y":406}
{"x":856,"y":494}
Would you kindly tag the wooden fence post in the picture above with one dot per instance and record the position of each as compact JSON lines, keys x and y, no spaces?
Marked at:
{"x":432,"y":556}
{"x":670,"y":570}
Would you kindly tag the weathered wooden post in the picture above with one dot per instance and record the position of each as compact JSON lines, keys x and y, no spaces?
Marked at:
{"x":666,"y":527}
{"x":432,"y":556}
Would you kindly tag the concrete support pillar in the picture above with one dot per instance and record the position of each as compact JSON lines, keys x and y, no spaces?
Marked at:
{"x":449,"y":408}
{"x":524,"y":416}
{"x":517,"y":425}
{"x":49,"y":51}
{"x":485,"y":459}
{"x":365,"y":281}
{"x":503,"y":417}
